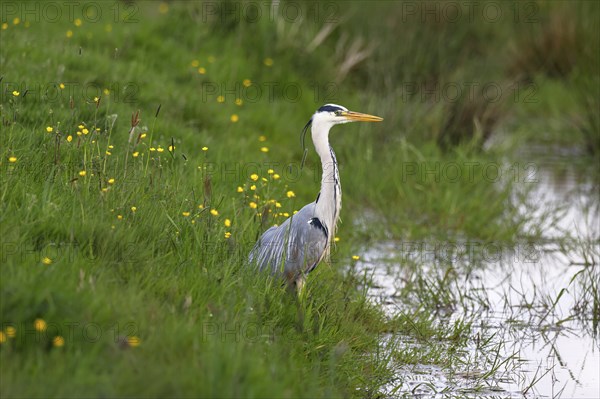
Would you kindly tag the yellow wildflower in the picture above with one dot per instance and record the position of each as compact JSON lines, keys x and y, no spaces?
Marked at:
{"x":254,"y":177}
{"x":336,"y":239}
{"x":227,"y":223}
{"x":120,"y":217}
{"x":69,"y":33}
{"x":69,"y":138}
{"x":234,"y":118}
{"x":47,"y":261}
{"x":268,"y":62}
{"x":39,"y":324}
{"x":160,"y":149}
{"x":214,"y":212}
{"x":171,"y":148}
{"x":204,"y":148}
{"x":355,"y":257}
{"x":58,"y":341}
{"x":111,"y":180}
{"x":143,"y":135}
{"x":264,"y":149}
{"x":133,"y":341}
{"x":195,"y":63}
{"x":290,"y":194}
{"x":11,"y":332}
{"x":62,"y":86}
{"x":12,"y":159}
{"x":133,"y":209}
{"x":238,"y":101}
{"x":186,"y":214}
{"x":84,"y":131}
{"x":49,"y":129}
{"x":253,"y":205}
{"x":247,"y":82}
{"x":136,"y":154}
{"x":201,"y":70}
{"x":77,"y":22}
{"x":227,"y":234}
{"x":276,"y":176}
{"x":15,"y":93}
{"x":240,"y":189}
{"x":82,"y":173}
{"x":253,"y":187}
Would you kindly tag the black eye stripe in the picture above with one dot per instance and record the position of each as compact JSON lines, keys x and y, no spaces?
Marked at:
{"x":330,"y":108}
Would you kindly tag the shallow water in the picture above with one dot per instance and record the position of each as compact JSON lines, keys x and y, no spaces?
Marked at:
{"x":533,"y":299}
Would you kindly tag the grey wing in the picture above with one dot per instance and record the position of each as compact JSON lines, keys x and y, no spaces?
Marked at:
{"x":293,"y":248}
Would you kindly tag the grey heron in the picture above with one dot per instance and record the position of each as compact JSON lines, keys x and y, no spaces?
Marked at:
{"x":296,"y":246}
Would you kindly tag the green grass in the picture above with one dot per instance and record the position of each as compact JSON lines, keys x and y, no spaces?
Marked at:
{"x":151,"y":242}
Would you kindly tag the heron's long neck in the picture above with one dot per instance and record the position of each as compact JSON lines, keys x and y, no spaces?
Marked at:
{"x":329,"y":201}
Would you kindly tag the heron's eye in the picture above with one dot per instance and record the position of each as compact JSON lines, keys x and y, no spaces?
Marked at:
{"x":338,"y":113}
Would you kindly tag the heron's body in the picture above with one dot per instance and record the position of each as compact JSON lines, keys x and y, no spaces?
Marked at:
{"x":295,"y":247}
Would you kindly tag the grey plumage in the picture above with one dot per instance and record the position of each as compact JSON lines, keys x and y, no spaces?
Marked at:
{"x":293,"y":248}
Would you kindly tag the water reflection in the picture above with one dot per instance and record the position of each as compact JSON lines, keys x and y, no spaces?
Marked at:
{"x":536,"y":298}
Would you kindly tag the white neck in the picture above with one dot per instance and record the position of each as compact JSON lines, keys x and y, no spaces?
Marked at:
{"x":329,"y":203}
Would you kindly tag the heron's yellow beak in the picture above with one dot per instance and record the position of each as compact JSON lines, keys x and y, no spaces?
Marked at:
{"x":357,"y":116}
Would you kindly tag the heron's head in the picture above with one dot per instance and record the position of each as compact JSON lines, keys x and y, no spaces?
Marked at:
{"x":333,"y":114}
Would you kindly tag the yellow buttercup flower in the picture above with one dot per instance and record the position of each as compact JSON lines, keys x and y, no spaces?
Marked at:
{"x":227,"y":234}
{"x":204,"y":148}
{"x":240,"y":189}
{"x":355,"y":257}
{"x":247,"y":83}
{"x":49,"y":129}
{"x":120,"y":217}
{"x":220,"y":99}
{"x":171,"y":148}
{"x":160,"y":149}
{"x":69,"y":138}
{"x":201,"y":70}
{"x":111,"y":181}
{"x":276,"y":176}
{"x":134,"y":341}
{"x":254,"y":177}
{"x":234,"y":118}
{"x":84,"y":131}
{"x":253,"y":205}
{"x":136,"y":154}
{"x":264,"y":149}
{"x":12,"y":159}
{"x":11,"y":332}
{"x":40,"y":325}
{"x":69,"y":33}
{"x":58,"y":341}
{"x":238,"y":101}
{"x":82,"y":173}
{"x":47,"y":261}
{"x":227,"y":223}
{"x":253,"y":187}
{"x":336,"y":239}
{"x":290,"y":194}
{"x":133,"y":209}
{"x":77,"y":22}
{"x":214,"y":212}
{"x":15,"y":93}
{"x":186,"y":214}
{"x":62,"y":86}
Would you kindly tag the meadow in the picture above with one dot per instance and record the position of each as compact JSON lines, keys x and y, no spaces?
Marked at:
{"x":145,"y":146}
